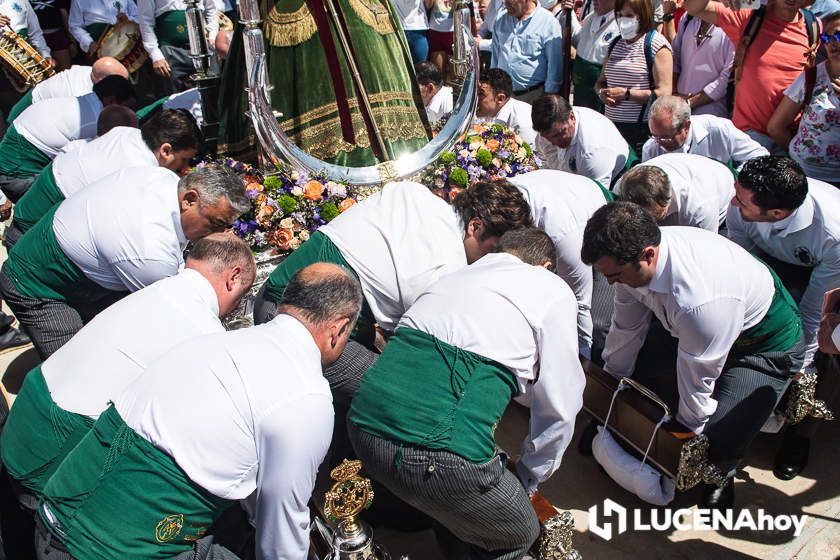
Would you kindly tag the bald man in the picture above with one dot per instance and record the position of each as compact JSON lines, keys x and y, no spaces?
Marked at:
{"x":73,"y":82}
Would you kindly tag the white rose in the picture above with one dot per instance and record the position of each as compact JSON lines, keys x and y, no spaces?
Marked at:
{"x":304,"y":235}
{"x":297,"y":191}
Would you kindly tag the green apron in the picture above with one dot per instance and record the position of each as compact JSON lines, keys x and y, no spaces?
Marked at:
{"x":95,"y":30}
{"x":20,"y":158}
{"x":20,"y":106}
{"x":425,"y":392}
{"x":38,"y":434}
{"x":584,"y":76}
{"x":608,"y":194}
{"x":171,"y":29}
{"x":42,"y":195}
{"x":145,"y":113}
{"x":780,"y":328}
{"x":118,"y":496}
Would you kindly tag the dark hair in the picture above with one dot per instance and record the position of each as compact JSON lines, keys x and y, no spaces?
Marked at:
{"x":549,"y":109}
{"x":498,"y":80}
{"x":222,"y":251}
{"x":530,"y":245}
{"x":776,"y":182}
{"x":646,"y":185}
{"x":428,"y":73}
{"x":620,"y":230}
{"x":213,"y":182}
{"x":498,"y":204}
{"x":830,"y":18}
{"x":113,"y":116}
{"x":115,"y":86}
{"x":642,"y":8}
{"x":321,"y":295}
{"x":176,"y":127}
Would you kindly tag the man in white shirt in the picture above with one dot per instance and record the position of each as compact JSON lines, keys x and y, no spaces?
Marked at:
{"x":681,"y":190}
{"x":591,"y":39}
{"x":73,"y":82}
{"x":399,"y":241}
{"x":163,"y":26}
{"x":117,"y":235}
{"x":89,"y":19}
{"x":437,"y":98}
{"x":736,"y":329}
{"x":779,"y":213}
{"x":579,"y":140}
{"x":561,"y":203}
{"x":170,"y":140}
{"x":496,"y":105}
{"x":499,"y":329}
{"x":62,"y":397}
{"x":207,"y":424}
{"x":674,"y":130}
{"x":41,"y":130}
{"x":189,"y":100}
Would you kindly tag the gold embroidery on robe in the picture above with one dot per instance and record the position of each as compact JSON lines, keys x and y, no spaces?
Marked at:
{"x":287,"y":29}
{"x":374,"y":14}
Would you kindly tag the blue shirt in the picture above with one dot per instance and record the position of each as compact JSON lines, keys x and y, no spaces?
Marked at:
{"x":531,"y":51}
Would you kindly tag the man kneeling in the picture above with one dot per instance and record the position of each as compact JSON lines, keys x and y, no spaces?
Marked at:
{"x":424,"y":418}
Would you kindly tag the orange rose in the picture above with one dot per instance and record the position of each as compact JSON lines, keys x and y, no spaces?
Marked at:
{"x":453,"y":192}
{"x":345,"y":204}
{"x":283,"y":237}
{"x":313,"y":190}
{"x":254,"y":186}
{"x":492,"y":145}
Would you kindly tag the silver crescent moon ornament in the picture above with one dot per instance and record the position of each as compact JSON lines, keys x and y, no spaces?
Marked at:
{"x":282,"y":150}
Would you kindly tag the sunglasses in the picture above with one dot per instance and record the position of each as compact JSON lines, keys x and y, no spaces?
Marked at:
{"x":826,"y":38}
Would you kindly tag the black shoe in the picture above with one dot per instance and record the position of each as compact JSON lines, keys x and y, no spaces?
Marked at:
{"x":12,"y":339}
{"x":5,"y":322}
{"x":792,"y":456}
{"x":718,"y":498}
{"x":586,"y":437}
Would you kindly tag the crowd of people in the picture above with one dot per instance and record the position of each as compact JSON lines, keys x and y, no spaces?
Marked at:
{"x":400,"y":331}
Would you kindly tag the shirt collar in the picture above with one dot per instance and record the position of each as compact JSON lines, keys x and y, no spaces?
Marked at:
{"x":698,"y":133}
{"x":798,"y":220}
{"x":505,"y":111}
{"x":661,"y":281}
{"x":203,"y":289}
{"x":176,"y":224}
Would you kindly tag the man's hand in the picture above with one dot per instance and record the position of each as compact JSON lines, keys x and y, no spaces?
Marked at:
{"x":827,"y":325}
{"x":835,"y":83}
{"x":4,"y":20}
{"x":161,"y":68}
{"x":5,"y":210}
{"x":93,"y":48}
{"x":568,"y":4}
{"x":51,"y":61}
{"x":121,"y":16}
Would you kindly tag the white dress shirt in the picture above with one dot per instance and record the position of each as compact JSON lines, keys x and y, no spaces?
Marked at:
{"x":440,"y":104}
{"x":119,"y":148}
{"x":73,"y":82}
{"x":701,"y":190}
{"x":521,"y":316}
{"x":188,"y":99}
{"x":235,"y":427}
{"x":53,"y":123}
{"x":517,"y":115}
{"x":23,"y":18}
{"x":124,"y":231}
{"x":592,"y":36}
{"x":561,"y":204}
{"x":809,"y":237}
{"x":399,"y":241}
{"x":86,"y":12}
{"x":111,"y":351}
{"x":148,"y":10}
{"x":713,"y":137}
{"x":597,"y":151}
{"x":706,"y":290}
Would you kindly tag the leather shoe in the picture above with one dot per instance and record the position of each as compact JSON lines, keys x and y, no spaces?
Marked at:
{"x":718,"y":498}
{"x":792,"y":456}
{"x":12,"y":339}
{"x":6,"y":321}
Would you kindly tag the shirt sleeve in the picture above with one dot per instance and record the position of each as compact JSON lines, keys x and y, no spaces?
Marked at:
{"x":554,"y":58}
{"x":556,"y":396}
{"x":706,"y":334}
{"x":146,"y":20}
{"x":736,"y":231}
{"x":74,"y":23}
{"x":136,"y":274}
{"x":292,"y":442}
{"x":716,"y":89}
{"x":650,"y":150}
{"x":732,"y":22}
{"x":579,"y":278}
{"x":796,"y":90}
{"x":576,"y":27}
{"x":742,"y":147}
{"x":824,"y":277}
{"x":629,"y":327}
{"x":547,"y":152}
{"x":211,"y":20}
{"x":677,"y":47}
{"x":131,"y":10}
{"x":35,"y":35}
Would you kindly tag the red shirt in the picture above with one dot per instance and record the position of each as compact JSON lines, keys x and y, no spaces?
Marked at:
{"x":774,"y":60}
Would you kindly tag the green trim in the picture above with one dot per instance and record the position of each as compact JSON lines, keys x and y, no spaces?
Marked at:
{"x":42,"y":195}
{"x":608,"y":194}
{"x":171,"y":29}
{"x":23,"y":103}
{"x":145,"y":113}
{"x":19,"y":158}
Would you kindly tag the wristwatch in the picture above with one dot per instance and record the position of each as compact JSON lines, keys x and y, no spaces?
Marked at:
{"x":627,"y":94}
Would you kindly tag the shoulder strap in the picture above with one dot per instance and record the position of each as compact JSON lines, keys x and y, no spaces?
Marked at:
{"x":649,"y":55}
{"x":812,"y":26}
{"x":750,"y":31}
{"x":810,"y":81}
{"x":613,"y":43}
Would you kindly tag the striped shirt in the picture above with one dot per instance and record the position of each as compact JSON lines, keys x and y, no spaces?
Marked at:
{"x":626,"y":68}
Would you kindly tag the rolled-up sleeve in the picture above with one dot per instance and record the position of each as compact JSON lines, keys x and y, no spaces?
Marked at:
{"x":146,"y":20}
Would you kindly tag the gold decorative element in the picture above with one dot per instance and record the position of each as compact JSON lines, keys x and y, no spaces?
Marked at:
{"x":694,"y":466}
{"x":287,"y":29}
{"x":324,"y":110}
{"x":373,"y":14}
{"x":21,"y":63}
{"x":555,"y":541}
{"x":802,"y":400}
{"x":387,"y":172}
{"x":348,"y":496}
{"x":169,"y":527}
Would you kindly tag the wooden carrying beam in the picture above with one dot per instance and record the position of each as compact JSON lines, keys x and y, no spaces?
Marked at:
{"x":634,"y":418}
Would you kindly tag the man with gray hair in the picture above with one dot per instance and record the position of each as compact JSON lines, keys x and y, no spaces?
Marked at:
{"x":117,"y":235}
{"x":218,"y":418}
{"x":674,"y":130}
{"x":62,"y":397}
{"x":681,"y":190}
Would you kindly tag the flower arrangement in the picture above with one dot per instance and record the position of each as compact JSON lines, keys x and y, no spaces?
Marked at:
{"x":486,"y":151}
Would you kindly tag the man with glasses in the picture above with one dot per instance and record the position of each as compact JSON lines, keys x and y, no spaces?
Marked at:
{"x":673,"y":129}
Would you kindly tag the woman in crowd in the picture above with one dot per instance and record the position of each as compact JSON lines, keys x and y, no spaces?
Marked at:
{"x":441,"y":25}
{"x":816,"y":144}
{"x":416,"y":26}
{"x":702,"y":60}
{"x":591,"y":37}
{"x":638,"y":68}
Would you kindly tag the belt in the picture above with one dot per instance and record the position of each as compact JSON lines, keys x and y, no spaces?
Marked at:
{"x":530,"y":89}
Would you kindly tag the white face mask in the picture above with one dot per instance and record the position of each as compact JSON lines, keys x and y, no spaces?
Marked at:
{"x":628,"y":27}
{"x":548,"y":4}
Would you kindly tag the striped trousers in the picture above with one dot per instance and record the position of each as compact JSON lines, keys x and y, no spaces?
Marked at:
{"x":482,"y":505}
